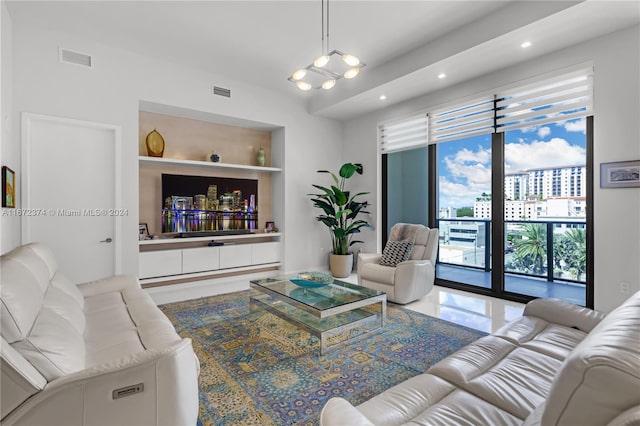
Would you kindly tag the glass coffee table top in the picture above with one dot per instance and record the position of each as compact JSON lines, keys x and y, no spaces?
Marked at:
{"x":321,"y":298}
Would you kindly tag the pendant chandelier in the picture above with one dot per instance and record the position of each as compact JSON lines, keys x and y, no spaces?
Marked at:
{"x":330,"y":66}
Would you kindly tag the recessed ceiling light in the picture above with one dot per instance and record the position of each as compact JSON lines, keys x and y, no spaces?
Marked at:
{"x":525,"y":44}
{"x":383,"y":97}
{"x":441,"y":75}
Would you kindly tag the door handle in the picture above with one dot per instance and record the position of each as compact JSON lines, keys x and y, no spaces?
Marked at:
{"x":108,"y":240}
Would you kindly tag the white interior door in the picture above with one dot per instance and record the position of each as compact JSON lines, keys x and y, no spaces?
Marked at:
{"x":71,"y":193}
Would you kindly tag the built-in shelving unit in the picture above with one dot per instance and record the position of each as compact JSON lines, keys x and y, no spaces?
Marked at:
{"x":170,"y":260}
{"x":195,"y":163}
{"x":165,"y":241}
{"x":190,"y":137}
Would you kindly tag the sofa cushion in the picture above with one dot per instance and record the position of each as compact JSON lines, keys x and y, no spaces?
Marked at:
{"x":63,"y":283}
{"x":395,"y":252}
{"x":428,"y":399}
{"x":45,"y":254}
{"x":540,"y":336}
{"x":378,"y":273}
{"x":514,"y":379}
{"x":601,"y":377}
{"x":111,"y":332}
{"x":24,"y":282}
{"x":54,"y":346}
{"x":556,"y":341}
{"x":64,"y":305}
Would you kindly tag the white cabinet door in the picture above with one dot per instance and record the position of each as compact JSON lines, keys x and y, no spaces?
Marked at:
{"x":200,"y":259}
{"x":160,"y":263}
{"x":265,"y":253}
{"x":235,"y":256}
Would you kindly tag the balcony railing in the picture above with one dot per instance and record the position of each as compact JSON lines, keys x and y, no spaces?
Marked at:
{"x":529,"y":247}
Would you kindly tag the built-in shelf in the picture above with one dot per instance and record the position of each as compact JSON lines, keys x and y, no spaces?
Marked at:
{"x":156,"y":281}
{"x":161,"y":240}
{"x":194,"y":163}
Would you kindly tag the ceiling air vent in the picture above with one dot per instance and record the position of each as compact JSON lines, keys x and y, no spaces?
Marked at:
{"x":76,"y":58}
{"x":221,"y":91}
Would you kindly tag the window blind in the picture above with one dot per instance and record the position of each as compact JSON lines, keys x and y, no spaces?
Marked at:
{"x":561,"y":98}
{"x":407,"y":133}
{"x":462,"y":120}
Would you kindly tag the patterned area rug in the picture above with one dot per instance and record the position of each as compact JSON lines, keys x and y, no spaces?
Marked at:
{"x":260,"y":370}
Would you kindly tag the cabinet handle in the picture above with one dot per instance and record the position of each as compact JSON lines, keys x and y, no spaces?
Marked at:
{"x":108,"y":240}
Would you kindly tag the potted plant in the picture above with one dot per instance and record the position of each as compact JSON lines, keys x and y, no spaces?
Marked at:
{"x":340,"y":214}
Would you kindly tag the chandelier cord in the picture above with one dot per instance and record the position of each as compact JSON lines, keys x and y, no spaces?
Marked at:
{"x":327,"y":49}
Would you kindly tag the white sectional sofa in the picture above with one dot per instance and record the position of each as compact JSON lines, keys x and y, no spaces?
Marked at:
{"x":559,"y":364}
{"x":88,"y":354}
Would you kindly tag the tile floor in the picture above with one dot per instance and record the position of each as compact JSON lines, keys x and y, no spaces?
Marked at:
{"x":471,"y":310}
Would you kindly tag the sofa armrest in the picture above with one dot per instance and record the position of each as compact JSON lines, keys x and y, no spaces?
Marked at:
{"x":106,"y":285}
{"x":369,"y":258}
{"x":556,"y":311}
{"x":339,"y":412}
{"x":627,"y":418}
{"x":168,"y":395}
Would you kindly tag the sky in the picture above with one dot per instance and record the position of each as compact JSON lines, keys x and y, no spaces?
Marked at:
{"x":464,"y":166}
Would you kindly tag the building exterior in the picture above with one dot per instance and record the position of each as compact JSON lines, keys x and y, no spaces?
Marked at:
{"x":448,"y":212}
{"x":533,"y":209}
{"x":544,"y":183}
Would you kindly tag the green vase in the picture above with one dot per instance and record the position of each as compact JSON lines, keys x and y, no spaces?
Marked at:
{"x":261,"y":157}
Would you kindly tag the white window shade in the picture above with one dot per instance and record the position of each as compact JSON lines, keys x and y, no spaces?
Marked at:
{"x":561,"y":98}
{"x":463,"y":120}
{"x":408,"y":133}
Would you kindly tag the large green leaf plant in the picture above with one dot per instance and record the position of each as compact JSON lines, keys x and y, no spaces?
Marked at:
{"x":341,"y":209}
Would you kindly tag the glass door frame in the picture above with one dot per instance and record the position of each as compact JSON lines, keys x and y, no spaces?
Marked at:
{"x":498,"y":223}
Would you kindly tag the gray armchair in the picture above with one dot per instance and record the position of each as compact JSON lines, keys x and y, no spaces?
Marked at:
{"x":409,"y":280}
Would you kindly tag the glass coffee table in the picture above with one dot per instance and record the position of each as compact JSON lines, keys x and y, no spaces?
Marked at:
{"x":336,"y":313}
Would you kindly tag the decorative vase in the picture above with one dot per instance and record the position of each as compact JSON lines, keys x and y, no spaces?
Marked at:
{"x":261,"y":157}
{"x":155,"y":144}
{"x":341,"y":264}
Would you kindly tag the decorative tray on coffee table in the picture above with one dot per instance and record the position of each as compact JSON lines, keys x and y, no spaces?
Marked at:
{"x":312,"y":279}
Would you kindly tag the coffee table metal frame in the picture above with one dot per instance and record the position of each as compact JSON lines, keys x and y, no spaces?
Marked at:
{"x":269,"y":298}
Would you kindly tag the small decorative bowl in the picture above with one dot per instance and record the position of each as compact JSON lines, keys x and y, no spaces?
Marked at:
{"x":312,"y":279}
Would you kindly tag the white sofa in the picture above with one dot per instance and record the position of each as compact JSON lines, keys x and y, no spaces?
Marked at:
{"x":559,"y":364}
{"x":88,"y":354}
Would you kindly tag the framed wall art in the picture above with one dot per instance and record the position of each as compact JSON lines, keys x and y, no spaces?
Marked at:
{"x":621,"y":174}
{"x":8,"y":187}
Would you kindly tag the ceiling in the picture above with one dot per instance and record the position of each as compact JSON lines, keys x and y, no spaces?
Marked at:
{"x":405,"y":44}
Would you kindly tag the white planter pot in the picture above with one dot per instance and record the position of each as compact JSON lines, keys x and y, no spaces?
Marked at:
{"x":341,"y":264}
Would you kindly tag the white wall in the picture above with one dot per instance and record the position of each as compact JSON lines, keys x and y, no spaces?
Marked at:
{"x":9,"y":149}
{"x":110,"y":92}
{"x":616,"y":138}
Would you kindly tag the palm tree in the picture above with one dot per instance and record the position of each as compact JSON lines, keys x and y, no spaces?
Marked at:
{"x":578,"y":255}
{"x":533,"y":245}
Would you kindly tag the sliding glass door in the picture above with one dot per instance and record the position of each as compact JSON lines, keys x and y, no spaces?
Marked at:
{"x":464,"y":181}
{"x":545,"y":212}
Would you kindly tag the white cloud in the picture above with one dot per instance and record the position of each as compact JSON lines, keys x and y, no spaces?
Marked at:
{"x":579,"y":125}
{"x":468,"y":175}
{"x":556,"y":152}
{"x":544,"y":132}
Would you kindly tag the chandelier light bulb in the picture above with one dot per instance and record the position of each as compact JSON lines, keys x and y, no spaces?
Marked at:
{"x":352,"y":72}
{"x":303,"y":85}
{"x":321,"y":61}
{"x":351,"y":60}
{"x":328,"y":84}
{"x":299,"y":74}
